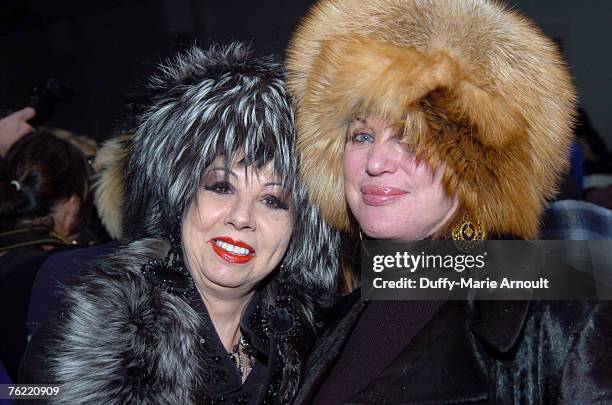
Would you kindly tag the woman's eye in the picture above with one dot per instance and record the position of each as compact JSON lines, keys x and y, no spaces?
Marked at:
{"x":274,"y":203}
{"x":362,"y":137}
{"x":221,"y":187}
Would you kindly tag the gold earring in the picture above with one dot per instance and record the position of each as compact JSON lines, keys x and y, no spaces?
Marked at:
{"x":469,"y":229}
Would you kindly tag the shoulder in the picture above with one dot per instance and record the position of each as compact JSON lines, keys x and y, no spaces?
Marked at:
{"x":574,"y":321}
{"x":573,"y":341}
{"x":16,"y":262}
{"x":505,"y":325}
{"x":587,"y":376}
{"x":117,"y":334}
{"x":57,"y":271}
{"x":78,"y":256}
{"x":576,"y":220}
{"x":569,"y":320}
{"x":563,"y":345}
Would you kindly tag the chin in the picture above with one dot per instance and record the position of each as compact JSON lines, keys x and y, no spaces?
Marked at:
{"x":227,"y":283}
{"x":225,"y":277}
{"x":380,"y":229}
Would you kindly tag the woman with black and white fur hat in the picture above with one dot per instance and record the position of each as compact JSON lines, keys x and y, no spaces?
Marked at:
{"x":214,"y":299}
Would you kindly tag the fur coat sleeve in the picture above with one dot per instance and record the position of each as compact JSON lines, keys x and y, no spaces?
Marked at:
{"x":119,"y":340}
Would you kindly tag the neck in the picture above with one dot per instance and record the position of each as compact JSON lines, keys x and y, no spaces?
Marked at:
{"x":225,"y":314}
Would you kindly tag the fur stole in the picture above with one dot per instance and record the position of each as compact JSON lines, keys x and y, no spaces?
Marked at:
{"x":122,"y":340}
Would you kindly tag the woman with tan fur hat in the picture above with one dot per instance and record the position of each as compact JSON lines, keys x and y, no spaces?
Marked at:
{"x":440,"y":119}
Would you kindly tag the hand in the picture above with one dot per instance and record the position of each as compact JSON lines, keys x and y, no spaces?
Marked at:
{"x":14,"y":126}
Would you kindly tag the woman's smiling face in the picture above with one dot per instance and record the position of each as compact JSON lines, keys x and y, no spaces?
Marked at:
{"x":391,"y":194}
{"x":237,"y":229}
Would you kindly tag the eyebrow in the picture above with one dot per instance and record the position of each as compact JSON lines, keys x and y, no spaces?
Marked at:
{"x":223,"y":169}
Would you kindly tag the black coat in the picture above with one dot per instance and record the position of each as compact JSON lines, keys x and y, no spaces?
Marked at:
{"x":534,"y":352}
{"x":21,"y":255}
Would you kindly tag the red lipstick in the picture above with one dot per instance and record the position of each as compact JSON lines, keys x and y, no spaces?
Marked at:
{"x":381,"y":195}
{"x":220,"y":246}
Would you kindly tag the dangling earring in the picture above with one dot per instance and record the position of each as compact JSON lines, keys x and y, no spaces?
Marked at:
{"x":469,"y":229}
{"x":170,"y":273}
{"x":280,"y":320}
{"x":468,"y":232}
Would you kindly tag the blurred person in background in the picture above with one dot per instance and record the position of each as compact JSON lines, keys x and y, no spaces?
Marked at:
{"x":85,"y":143}
{"x":57,"y":270}
{"x":93,"y":231}
{"x":44,"y":186}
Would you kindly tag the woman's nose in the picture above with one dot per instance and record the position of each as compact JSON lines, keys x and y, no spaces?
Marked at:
{"x":381,"y":159}
{"x":241,"y":215}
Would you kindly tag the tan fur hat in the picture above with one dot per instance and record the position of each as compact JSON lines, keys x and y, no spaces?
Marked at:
{"x":479,"y":88}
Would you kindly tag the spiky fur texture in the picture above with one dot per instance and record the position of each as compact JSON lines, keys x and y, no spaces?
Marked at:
{"x":123,"y":341}
{"x":208,"y":103}
{"x":218,"y":102}
{"x":478,"y":87}
{"x":108,"y":185}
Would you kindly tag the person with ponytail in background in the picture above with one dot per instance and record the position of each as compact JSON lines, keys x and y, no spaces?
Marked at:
{"x":44,"y":187}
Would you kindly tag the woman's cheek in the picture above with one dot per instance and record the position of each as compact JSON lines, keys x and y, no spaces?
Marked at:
{"x":353,"y":164}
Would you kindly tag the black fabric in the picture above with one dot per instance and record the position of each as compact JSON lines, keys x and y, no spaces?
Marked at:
{"x":20,"y":267}
{"x":35,"y":366}
{"x":21,"y":256}
{"x":518,"y":352}
{"x":230,"y":386}
{"x":384,"y":329}
{"x":54,"y":274}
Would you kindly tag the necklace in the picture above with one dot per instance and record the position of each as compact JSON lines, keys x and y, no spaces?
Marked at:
{"x":242,"y":357}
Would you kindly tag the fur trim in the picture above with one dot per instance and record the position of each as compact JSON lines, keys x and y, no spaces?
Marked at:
{"x":479,"y":88}
{"x":108,"y":186}
{"x":124,"y":341}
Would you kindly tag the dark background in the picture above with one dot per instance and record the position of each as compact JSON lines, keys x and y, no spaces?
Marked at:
{"x":105,"y":50}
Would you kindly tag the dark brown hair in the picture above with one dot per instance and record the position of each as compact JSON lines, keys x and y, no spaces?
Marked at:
{"x":39,"y":171}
